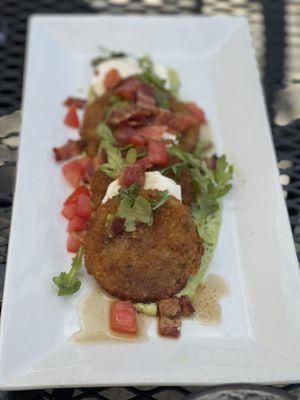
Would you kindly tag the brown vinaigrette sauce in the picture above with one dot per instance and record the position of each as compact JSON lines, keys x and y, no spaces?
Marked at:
{"x":94,"y":313}
{"x":207,"y":300}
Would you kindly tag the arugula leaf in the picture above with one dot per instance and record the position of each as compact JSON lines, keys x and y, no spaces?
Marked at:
{"x":148,"y":74}
{"x":115,"y":163}
{"x":135,"y":208}
{"x":104,"y":133}
{"x":210,"y":185}
{"x":176,"y":169}
{"x":188,"y":158}
{"x":107,"y":55}
{"x":130,"y":192}
{"x":68,"y":282}
{"x":162,"y":197}
{"x":131,"y":156}
{"x":162,"y":99}
{"x":174,"y":81}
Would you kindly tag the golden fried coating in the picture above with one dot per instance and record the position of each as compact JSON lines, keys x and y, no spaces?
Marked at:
{"x":150,"y":263}
{"x":93,"y":115}
{"x":99,"y":184}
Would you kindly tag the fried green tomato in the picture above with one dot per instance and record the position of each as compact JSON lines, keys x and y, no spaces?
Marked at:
{"x":99,"y":185}
{"x":150,"y":263}
{"x":93,"y":115}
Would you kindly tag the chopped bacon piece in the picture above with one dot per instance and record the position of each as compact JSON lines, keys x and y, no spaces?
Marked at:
{"x":158,"y":154}
{"x":128,"y":88}
{"x":175,"y":121}
{"x":123,"y":134}
{"x":145,"y":97}
{"x":197,"y":112}
{"x":145,"y":163}
{"x":181,"y":122}
{"x":133,"y":116}
{"x":116,"y":227}
{"x":169,"y":326}
{"x":186,"y":306}
{"x":71,"y":118}
{"x":152,"y":132}
{"x":137,"y":140}
{"x":169,"y":307}
{"x":132,"y":174}
{"x":71,"y":149}
{"x":75,"y":101}
{"x":112,"y":79}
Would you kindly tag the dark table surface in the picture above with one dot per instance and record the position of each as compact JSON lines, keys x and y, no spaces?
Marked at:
{"x":275,"y":29}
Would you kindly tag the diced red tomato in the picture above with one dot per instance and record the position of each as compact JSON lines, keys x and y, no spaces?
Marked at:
{"x":76,"y":224}
{"x":74,"y":196}
{"x":132,"y":174}
{"x":158,"y":154}
{"x":83,"y":206}
{"x":123,"y":317}
{"x":73,"y":244}
{"x":73,"y":172}
{"x":69,"y":211}
{"x":152,"y":132}
{"x":197,"y":112}
{"x":112,"y":79}
{"x":123,"y":134}
{"x":71,"y":118}
{"x":89,"y":168}
{"x":137,"y":140}
{"x":75,"y":101}
{"x":145,"y":163}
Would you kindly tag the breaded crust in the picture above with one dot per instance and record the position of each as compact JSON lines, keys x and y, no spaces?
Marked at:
{"x":150,"y":263}
{"x":93,"y":115}
{"x":99,"y":185}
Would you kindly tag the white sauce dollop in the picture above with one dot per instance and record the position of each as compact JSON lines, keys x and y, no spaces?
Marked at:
{"x":154,"y":180}
{"x":126,"y":67}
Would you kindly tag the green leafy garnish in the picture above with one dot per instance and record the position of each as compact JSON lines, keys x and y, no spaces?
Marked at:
{"x":115,"y":162}
{"x":68,"y":282}
{"x":162,"y":99}
{"x":148,"y":75}
{"x":174,"y":81}
{"x":105,"y":134}
{"x":162,"y":197}
{"x":135,"y":208}
{"x":210,"y":185}
{"x":107,"y":55}
{"x":176,"y":169}
{"x":131,"y":156}
{"x":188,"y":158}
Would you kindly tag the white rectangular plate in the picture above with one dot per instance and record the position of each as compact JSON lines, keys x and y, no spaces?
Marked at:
{"x":258,"y":340}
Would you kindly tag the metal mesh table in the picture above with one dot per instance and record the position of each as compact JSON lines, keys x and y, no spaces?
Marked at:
{"x":275,"y":26}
